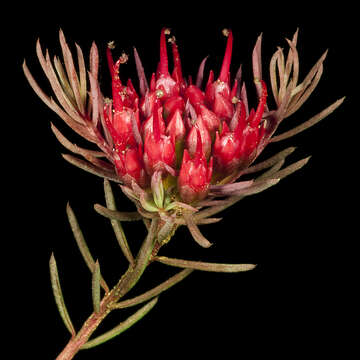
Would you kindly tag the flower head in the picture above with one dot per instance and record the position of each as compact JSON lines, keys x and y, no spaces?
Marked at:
{"x":174,"y":144}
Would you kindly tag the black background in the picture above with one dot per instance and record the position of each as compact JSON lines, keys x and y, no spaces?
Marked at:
{"x":298,"y":301}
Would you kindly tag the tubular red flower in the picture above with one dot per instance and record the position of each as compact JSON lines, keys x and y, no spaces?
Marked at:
{"x":195,"y":174}
{"x":159,"y":149}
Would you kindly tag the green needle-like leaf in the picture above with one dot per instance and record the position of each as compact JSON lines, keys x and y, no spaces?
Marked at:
{"x":59,"y":299}
{"x":117,"y":215}
{"x":305,"y":125}
{"x":80,"y":240}
{"x":204,"y":266}
{"x":154,"y":291}
{"x":269,"y":162}
{"x":291,"y":168}
{"x":92,"y":169}
{"x":131,"y":320}
{"x":118,"y":229}
{"x":96,"y":287}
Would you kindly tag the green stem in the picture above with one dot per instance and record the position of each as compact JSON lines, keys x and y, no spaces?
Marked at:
{"x":126,"y":283}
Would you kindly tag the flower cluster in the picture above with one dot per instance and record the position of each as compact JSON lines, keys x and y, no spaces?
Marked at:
{"x":177,"y":145}
{"x":178,"y":132}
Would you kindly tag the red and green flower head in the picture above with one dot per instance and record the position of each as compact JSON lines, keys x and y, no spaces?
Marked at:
{"x":177,"y":129}
{"x":172,"y":142}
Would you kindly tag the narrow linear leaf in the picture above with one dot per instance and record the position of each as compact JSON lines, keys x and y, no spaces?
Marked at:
{"x":257,"y":64}
{"x":314,"y":120}
{"x":80,"y":240}
{"x":201,"y":221}
{"x":73,"y":147}
{"x":195,"y":232}
{"x":281,"y":72}
{"x":269,"y":162}
{"x":240,"y":185}
{"x":78,"y":128}
{"x":71,"y":71}
{"x":256,"y":188}
{"x":94,"y":95}
{"x":204,"y":266}
{"x":94,"y":60}
{"x":155,"y":291}
{"x":65,"y":102}
{"x":59,"y":299}
{"x":308,"y":78}
{"x":118,"y":229}
{"x":35,"y":86}
{"x":293,"y":107}
{"x":271,"y":172}
{"x":46,"y":65}
{"x":143,"y":84}
{"x":64,"y":81}
{"x":291,"y":168}
{"x":117,"y":215}
{"x":131,"y":320}
{"x":96,"y":287}
{"x":208,"y":221}
{"x":82,"y":73}
{"x":273,"y":76}
{"x":74,"y":125}
{"x":203,"y":214}
{"x":84,"y":165}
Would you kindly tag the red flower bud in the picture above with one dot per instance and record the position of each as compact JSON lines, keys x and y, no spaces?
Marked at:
{"x":236,"y":148}
{"x":195,"y":95}
{"x":121,"y":125}
{"x":164,"y":82}
{"x":176,"y":127}
{"x":195,"y":174}
{"x":218,"y":93}
{"x":172,"y":104}
{"x":130,"y":166}
{"x":192,"y":138}
{"x":159,"y":149}
{"x":211,"y":120}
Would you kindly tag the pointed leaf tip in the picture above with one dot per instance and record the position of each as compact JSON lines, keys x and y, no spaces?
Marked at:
{"x":59,"y":299}
{"x":205,"y":266}
{"x":117,"y":330}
